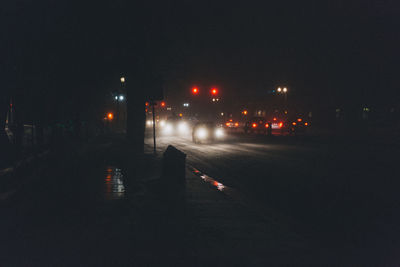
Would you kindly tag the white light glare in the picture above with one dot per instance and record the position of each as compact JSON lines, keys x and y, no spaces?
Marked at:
{"x":121,"y":97}
{"x":149,"y":123}
{"x":162,"y":123}
{"x":183,"y":127}
{"x":202,"y":133}
{"x":219,"y":133}
{"x":168,"y":129}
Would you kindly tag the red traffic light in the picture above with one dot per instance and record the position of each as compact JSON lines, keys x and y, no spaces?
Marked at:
{"x":195,"y":90}
{"x":214,"y":91}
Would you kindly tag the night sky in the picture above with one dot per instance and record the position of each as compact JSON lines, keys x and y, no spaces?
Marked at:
{"x":339,"y":51}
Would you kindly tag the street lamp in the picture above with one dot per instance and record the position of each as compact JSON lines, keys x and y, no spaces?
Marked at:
{"x":283,"y":91}
{"x":122,"y":79}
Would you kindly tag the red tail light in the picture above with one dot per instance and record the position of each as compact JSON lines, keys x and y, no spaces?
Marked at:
{"x":274,"y":119}
{"x":236,"y":124}
{"x":227,"y":124}
{"x":266,"y":125}
{"x":280,"y":124}
{"x":254,"y":125}
{"x":299,"y":119}
{"x":306,"y":123}
{"x":294,"y":123}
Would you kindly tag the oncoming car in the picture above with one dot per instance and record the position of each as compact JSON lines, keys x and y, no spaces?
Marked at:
{"x":207,"y":132}
{"x":175,"y":126}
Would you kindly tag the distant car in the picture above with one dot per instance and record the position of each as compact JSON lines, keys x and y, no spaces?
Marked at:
{"x":256,"y":125}
{"x":296,"y":125}
{"x":277,"y":123}
{"x":232,"y":124}
{"x":207,"y":132}
{"x":175,"y":126}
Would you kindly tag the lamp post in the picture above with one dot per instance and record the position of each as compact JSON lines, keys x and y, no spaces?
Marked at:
{"x":120,"y":97}
{"x":283,"y":91}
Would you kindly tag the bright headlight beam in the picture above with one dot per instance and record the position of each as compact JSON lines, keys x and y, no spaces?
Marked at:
{"x":201,"y":133}
{"x":168,"y":129}
{"x":219,"y":133}
{"x":182,"y":127}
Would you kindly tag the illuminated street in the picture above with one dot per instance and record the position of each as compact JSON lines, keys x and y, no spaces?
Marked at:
{"x":323,"y":191}
{"x":199,"y":133}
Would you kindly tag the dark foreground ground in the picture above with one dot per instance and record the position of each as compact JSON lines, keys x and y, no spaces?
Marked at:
{"x":303,"y":201}
{"x":340,"y":194}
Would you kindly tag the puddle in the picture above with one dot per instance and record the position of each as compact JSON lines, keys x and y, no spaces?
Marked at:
{"x":221,"y":187}
{"x":114,"y":187}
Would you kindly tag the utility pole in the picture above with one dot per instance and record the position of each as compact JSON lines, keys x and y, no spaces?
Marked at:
{"x":154,"y":127}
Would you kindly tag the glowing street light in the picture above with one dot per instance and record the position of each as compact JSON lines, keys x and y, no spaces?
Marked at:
{"x":283,"y":91}
{"x":122,"y":79}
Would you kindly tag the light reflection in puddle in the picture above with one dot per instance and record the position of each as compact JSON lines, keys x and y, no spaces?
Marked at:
{"x":114,"y":187}
{"x":210,"y":180}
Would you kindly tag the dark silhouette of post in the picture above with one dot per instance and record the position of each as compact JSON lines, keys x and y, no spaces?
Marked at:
{"x":154,"y":128}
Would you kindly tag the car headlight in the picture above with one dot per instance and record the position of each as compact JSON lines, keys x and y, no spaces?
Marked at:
{"x":168,"y":129}
{"x":162,"y":123}
{"x":149,"y":123}
{"x":201,"y":133}
{"x":183,"y":127}
{"x":219,"y":133}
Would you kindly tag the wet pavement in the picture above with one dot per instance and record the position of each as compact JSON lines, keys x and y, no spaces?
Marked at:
{"x":114,"y":187}
{"x":99,"y":207}
{"x":339,"y":195}
{"x":80,"y":212}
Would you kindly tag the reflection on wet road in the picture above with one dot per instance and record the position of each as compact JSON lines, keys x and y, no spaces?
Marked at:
{"x":114,"y":187}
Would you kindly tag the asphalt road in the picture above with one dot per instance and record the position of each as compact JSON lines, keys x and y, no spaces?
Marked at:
{"x":342,"y":195}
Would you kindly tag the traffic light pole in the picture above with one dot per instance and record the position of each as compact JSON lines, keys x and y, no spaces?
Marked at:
{"x":154,"y":128}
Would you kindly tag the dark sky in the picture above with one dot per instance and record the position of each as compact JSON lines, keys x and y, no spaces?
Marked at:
{"x":346,"y":50}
